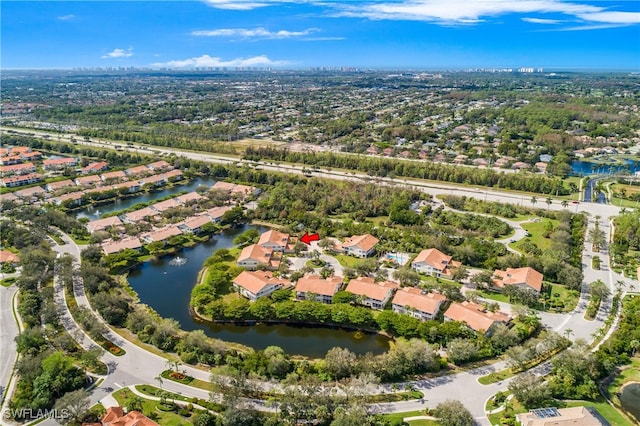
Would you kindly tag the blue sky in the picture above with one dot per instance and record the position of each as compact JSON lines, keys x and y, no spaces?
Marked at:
{"x":422,"y":34}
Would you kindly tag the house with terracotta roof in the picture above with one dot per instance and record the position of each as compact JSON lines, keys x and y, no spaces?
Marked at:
{"x":112,"y":247}
{"x":75,"y":196}
{"x":9,"y":160}
{"x":13,"y":181}
{"x":55,"y":186}
{"x":138,"y":215}
{"x":314,"y":287}
{"x":102,"y":224}
{"x":360,"y":245}
{"x":9,"y":196}
{"x":31,"y":156}
{"x":161,"y":235}
{"x":475,"y":316}
{"x":17,"y":169}
{"x":138,"y":171}
{"x":96,"y":167}
{"x":115,"y":416}
{"x":193,"y":224}
{"x":434,"y":262}
{"x":7,"y":257}
{"x":131,"y":186}
{"x":189,"y":198}
{"x":216,"y":213}
{"x":571,"y":416}
{"x":412,"y":301}
{"x":155,"y":180}
{"x":256,"y":284}
{"x":91,"y":180}
{"x":234,"y":189}
{"x":165,"y":205}
{"x":253,"y":255}
{"x":59,"y":163}
{"x":159,"y":166}
{"x":374,"y":295}
{"x":274,"y":240}
{"x":31,"y":194}
{"x":527,"y":278}
{"x":174,"y":175}
{"x":115,"y":176}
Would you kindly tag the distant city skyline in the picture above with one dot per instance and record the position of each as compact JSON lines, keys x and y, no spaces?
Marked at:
{"x":304,"y":34}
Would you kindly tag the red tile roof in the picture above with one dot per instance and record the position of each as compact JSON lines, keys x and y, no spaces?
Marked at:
{"x":475,"y":315}
{"x":318,"y":285}
{"x":117,"y":246}
{"x":255,"y":252}
{"x":254,"y":281}
{"x":365,"y":286}
{"x":518,"y":276}
{"x":365,"y":242}
{"x":414,"y":298}
{"x":7,"y":256}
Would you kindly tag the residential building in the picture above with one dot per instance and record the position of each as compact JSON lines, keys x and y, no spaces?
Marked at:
{"x":372,"y":294}
{"x":159,"y":166}
{"x":256,"y":284}
{"x":315,"y":287}
{"x":17,"y":169}
{"x":156,"y":180}
{"x":96,"y":167}
{"x":115,"y":176}
{"x":75,"y":196}
{"x":520,"y":277}
{"x":102,"y":224}
{"x":31,"y":194}
{"x":360,"y":245}
{"x":253,"y":255}
{"x":9,"y":196}
{"x":434,"y":262}
{"x":412,"y":301}
{"x":7,"y":257}
{"x":138,"y":215}
{"x":9,"y":160}
{"x":165,"y":205}
{"x":174,"y":175}
{"x":235,"y":189}
{"x":138,"y":171}
{"x":194,"y":224}
{"x":216,"y":213}
{"x":274,"y":240}
{"x":189,"y":198}
{"x":131,"y":186}
{"x":115,"y":416}
{"x":55,"y":186}
{"x":572,"y":416}
{"x":161,"y":235}
{"x":86,"y":181}
{"x":13,"y":181}
{"x":59,"y":163}
{"x":112,"y":247}
{"x":475,"y":316}
{"x":31,"y":156}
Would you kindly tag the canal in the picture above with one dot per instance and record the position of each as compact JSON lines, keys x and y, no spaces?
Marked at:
{"x":165,"y":285}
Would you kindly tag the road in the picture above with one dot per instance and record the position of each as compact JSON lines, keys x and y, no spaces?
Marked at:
{"x":8,"y":332}
{"x":140,"y":366}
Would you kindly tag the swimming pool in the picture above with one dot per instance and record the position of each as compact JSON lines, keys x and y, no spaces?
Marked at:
{"x":399,"y":258}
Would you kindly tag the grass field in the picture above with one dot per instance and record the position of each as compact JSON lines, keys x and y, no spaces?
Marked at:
{"x":149,"y":408}
{"x":348,"y":261}
{"x":400,"y":416}
{"x":613,"y":416}
{"x":536,"y":229}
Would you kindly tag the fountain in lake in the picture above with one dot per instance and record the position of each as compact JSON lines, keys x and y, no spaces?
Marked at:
{"x":178,"y":261}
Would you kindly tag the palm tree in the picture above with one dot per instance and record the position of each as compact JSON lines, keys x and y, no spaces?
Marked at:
{"x":548,"y":201}
{"x":564,"y":204}
{"x":534,"y":200}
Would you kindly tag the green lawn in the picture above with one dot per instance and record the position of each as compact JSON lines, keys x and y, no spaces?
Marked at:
{"x":348,"y":261}
{"x":560,"y":293}
{"x":400,"y":416}
{"x":536,"y":229}
{"x":149,"y":409}
{"x":496,"y":377}
{"x":492,"y":295}
{"x":7,"y":282}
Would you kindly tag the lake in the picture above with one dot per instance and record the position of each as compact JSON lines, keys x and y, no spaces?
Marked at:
{"x":584,"y":168}
{"x":165,"y":285}
{"x":630,"y":399}
{"x":94,"y":213}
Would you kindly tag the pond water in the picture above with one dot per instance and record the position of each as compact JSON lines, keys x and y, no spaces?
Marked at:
{"x":630,"y":399}
{"x":165,"y":285}
{"x":579,"y":167}
{"x":94,"y":213}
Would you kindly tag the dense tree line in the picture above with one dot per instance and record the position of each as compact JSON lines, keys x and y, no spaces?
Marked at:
{"x":383,"y":167}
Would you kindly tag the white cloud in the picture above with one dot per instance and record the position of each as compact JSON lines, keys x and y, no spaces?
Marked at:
{"x":119,"y":53}
{"x":542,"y":21}
{"x":237,"y":4}
{"x":254,"y":33}
{"x":69,"y":17}
{"x":208,"y":61}
{"x":472,"y":11}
